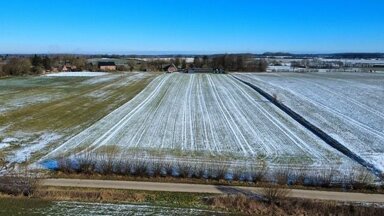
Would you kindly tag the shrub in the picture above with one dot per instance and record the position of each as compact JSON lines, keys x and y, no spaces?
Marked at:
{"x":65,"y":165}
{"x":282,"y":176}
{"x":273,"y":193}
{"x":198,"y":171}
{"x":106,"y":164}
{"x":140,"y":168}
{"x":298,"y":177}
{"x":167,"y":168}
{"x":220,"y":171}
{"x":237,"y":174}
{"x":358,"y":178}
{"x":185,"y":169}
{"x":258,"y":172}
{"x":156,"y":168}
{"x":86,"y":165}
{"x":18,"y":183}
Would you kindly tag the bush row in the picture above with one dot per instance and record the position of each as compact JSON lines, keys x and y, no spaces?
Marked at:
{"x":354,"y":177}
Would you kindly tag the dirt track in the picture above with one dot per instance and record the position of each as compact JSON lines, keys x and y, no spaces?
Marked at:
{"x":213,"y":189}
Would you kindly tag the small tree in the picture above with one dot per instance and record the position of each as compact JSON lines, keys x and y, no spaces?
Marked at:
{"x":183,"y":64}
{"x":47,"y":63}
{"x":177,"y":61}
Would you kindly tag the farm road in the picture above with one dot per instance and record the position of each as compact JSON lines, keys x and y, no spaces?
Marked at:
{"x":213,"y":189}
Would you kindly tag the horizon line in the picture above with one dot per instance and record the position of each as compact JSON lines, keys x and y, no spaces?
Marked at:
{"x":154,"y":53}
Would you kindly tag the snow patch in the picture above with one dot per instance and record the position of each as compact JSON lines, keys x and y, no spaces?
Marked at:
{"x":4,"y":145}
{"x":6,"y":142}
{"x":77,"y":74}
{"x":40,"y":143}
{"x":10,"y":139}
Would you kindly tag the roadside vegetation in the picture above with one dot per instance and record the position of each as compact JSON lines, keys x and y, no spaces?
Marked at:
{"x":24,"y":188}
{"x":19,"y":183}
{"x":242,"y":204}
{"x":110,"y":166}
{"x":269,"y":202}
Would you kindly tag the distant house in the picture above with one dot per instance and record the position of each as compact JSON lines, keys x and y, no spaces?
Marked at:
{"x":64,"y":68}
{"x":171,"y":68}
{"x":68,"y":67}
{"x":107,"y":66}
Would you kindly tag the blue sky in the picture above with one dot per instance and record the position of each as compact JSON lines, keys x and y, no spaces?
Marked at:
{"x":191,"y":26}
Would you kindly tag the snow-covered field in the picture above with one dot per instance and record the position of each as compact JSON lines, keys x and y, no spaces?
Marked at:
{"x":347,"y":106}
{"x":38,"y":113}
{"x":203,"y":115}
{"x":76,"y":74}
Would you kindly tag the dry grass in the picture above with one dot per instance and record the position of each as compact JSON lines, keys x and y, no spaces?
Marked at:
{"x":274,"y":193}
{"x":241,"y":204}
{"x":172,"y":199}
{"x":89,"y":195}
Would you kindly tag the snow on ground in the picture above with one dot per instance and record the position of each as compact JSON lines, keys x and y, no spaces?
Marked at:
{"x":24,"y":100}
{"x":4,"y":145}
{"x":6,"y":142}
{"x":10,"y":139}
{"x":76,"y":74}
{"x":348,"y":106}
{"x":101,"y":79}
{"x":18,"y":101}
{"x":25,"y":152}
{"x":116,"y":81}
{"x":214,"y":114}
{"x":83,"y":208}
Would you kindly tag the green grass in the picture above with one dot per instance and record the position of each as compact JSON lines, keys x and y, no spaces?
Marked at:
{"x":72,"y":110}
{"x":51,"y":203}
{"x":153,"y":198}
{"x":22,"y":206}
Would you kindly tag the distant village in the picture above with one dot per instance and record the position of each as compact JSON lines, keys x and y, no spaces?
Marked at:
{"x":269,"y":62}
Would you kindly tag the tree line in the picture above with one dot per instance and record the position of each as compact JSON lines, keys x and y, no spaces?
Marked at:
{"x":38,"y":64}
{"x":231,"y":62}
{"x":18,"y":66}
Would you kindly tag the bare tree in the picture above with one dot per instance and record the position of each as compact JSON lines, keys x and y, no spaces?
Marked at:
{"x":86,"y":164}
{"x":259,"y":171}
{"x":185,"y":169}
